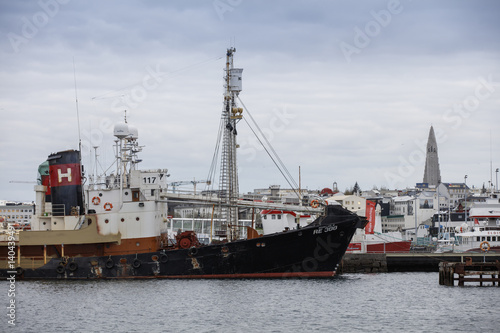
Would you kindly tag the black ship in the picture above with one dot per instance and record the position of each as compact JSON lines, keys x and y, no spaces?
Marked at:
{"x":117,"y":226}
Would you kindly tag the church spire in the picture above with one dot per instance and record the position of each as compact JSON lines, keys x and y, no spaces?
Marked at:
{"x":432,"y":175}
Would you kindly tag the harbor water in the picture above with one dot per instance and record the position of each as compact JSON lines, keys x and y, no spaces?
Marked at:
{"x":390,"y":302}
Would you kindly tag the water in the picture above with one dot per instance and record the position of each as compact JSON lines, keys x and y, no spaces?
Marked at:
{"x":410,"y":302}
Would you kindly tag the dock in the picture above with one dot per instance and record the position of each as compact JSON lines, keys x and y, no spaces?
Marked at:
{"x":469,"y":271}
{"x":407,"y":262}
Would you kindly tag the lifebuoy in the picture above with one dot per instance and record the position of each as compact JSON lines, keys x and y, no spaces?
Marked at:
{"x":96,"y":200}
{"x":108,"y":206}
{"x":136,"y":263}
{"x":484,"y":246}
{"x":315,"y":204}
{"x":19,"y":271}
{"x":72,"y":266}
{"x":110,"y":263}
{"x":225,"y":249}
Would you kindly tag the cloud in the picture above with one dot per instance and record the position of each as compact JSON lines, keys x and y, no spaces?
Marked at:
{"x":351,"y":118}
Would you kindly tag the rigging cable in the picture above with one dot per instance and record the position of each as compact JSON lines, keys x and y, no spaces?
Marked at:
{"x":289,"y":179}
{"x":215,"y":158}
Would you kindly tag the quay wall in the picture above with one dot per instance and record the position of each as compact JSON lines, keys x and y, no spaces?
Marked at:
{"x":363,"y":263}
{"x":406,"y":262}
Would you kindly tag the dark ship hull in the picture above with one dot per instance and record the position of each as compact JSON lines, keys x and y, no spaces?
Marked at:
{"x":313,"y":251}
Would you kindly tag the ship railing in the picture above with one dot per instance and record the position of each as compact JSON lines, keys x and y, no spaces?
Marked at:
{"x":204,"y":226}
{"x":58,"y":209}
{"x":32,"y":262}
{"x":78,"y":226}
{"x":383,"y":247}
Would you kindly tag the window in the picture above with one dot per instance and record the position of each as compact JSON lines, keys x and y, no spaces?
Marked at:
{"x":279,"y":217}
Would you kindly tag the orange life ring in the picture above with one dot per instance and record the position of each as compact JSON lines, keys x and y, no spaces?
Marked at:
{"x":315,"y":204}
{"x":484,"y":246}
{"x":108,"y":206}
{"x":96,"y":200}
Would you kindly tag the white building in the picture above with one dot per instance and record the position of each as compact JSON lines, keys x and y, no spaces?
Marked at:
{"x":454,"y":192}
{"x":19,"y":214}
{"x":354,"y":203}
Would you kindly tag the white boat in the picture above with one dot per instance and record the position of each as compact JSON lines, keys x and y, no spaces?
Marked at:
{"x":483,"y":235}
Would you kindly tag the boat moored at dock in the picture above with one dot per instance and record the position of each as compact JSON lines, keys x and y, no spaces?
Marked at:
{"x":117,"y":226}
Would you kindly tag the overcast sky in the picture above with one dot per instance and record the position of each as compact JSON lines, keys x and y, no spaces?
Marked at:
{"x":347,"y":90}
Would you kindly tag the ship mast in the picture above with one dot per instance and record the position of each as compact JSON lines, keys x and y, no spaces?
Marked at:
{"x":231,"y":114}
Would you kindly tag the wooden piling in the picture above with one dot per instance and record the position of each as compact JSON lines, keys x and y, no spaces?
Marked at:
{"x":469,"y":272}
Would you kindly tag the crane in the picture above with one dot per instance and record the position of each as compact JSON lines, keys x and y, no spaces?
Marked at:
{"x":187,"y":182}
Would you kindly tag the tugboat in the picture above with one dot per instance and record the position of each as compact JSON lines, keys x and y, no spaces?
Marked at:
{"x":116,"y":226}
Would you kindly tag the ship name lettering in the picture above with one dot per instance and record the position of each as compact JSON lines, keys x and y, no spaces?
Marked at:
{"x":327,"y":228}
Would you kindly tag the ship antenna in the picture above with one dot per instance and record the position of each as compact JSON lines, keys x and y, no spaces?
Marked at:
{"x":79,"y":134}
{"x":77,"y":111}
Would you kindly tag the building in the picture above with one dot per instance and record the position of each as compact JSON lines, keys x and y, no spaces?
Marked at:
{"x":455,"y":192}
{"x":432,"y":175}
{"x":274,"y":193}
{"x":354,"y":203}
{"x":17,"y":213}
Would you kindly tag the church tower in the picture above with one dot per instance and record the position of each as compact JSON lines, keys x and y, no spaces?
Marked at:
{"x":432,"y":176}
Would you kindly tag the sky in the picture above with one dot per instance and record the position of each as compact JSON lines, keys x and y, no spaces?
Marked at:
{"x":344,"y":90}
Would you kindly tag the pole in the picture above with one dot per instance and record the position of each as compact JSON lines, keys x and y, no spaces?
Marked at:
{"x":300,"y":191}
{"x":465,"y":201}
{"x":439,"y":213}
{"x":253,"y":218}
{"x":212,"y":223}
{"x":416,"y":226}
{"x":496,"y":171}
